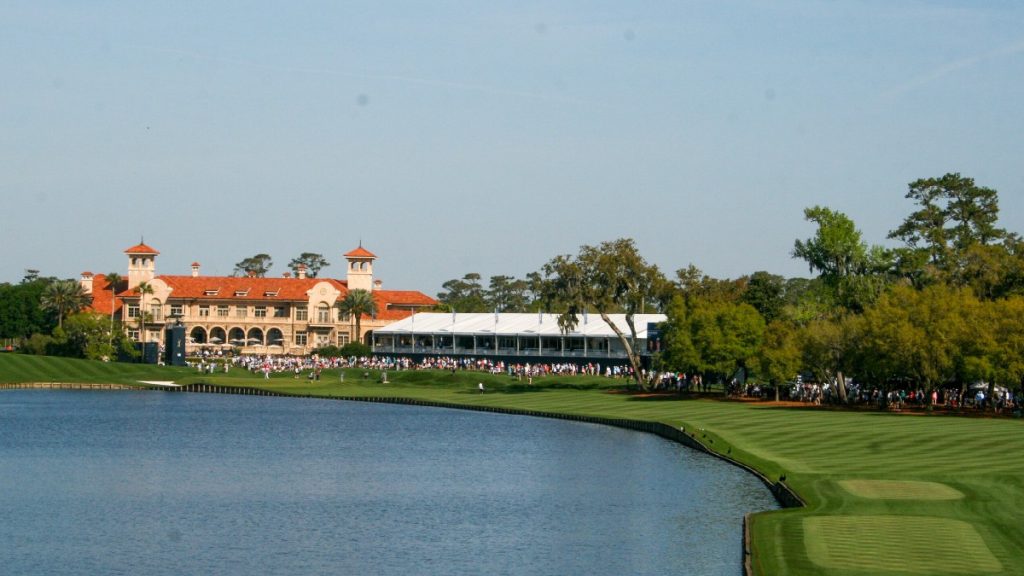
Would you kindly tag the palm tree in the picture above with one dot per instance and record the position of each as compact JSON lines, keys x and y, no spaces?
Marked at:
{"x":113,"y":279}
{"x":64,"y":297}
{"x":144,"y":288}
{"x":358,"y":302}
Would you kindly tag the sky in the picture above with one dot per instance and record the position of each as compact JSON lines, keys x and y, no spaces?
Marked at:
{"x":489,"y":137}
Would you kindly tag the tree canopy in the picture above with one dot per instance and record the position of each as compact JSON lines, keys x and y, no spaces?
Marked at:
{"x":257,"y":266}
{"x":357,"y":303}
{"x":312,"y":261}
{"x":64,"y":297}
{"x":608,"y":278}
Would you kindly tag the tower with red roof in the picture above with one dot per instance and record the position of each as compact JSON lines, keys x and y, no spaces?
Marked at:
{"x":141,"y":264}
{"x":360,"y":269}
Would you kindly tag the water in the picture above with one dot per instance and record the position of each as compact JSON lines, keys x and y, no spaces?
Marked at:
{"x":158,"y":483}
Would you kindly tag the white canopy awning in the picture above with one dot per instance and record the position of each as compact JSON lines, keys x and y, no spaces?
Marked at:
{"x":513,"y":324}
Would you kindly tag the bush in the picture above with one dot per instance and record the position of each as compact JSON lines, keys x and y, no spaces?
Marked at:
{"x":348,"y":350}
{"x":328,"y":351}
{"x":355,"y":349}
{"x":36,"y":344}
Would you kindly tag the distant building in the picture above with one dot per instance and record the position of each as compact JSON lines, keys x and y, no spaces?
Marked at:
{"x":272,"y":315}
{"x":512,"y":337}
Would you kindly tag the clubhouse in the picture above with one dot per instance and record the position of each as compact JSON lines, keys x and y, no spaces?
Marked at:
{"x":259,"y":315}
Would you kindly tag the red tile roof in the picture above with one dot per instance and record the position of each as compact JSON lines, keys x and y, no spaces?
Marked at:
{"x":360,"y":253}
{"x":141,"y":248}
{"x":404,"y":297}
{"x":242,"y":287}
{"x":102,"y":301}
{"x":387,"y":298}
{"x":275,"y":289}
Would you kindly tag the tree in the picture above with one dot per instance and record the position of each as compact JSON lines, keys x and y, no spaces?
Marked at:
{"x":855,"y":272}
{"x":930,"y":337}
{"x":535,"y":291}
{"x":954,"y":215}
{"x":507,"y":294}
{"x":711,"y":336}
{"x":1008,"y":333}
{"x":608,"y":278}
{"x":694,"y":283}
{"x":357,"y":303}
{"x":144,"y":290}
{"x":257,"y":266}
{"x":20,"y":312}
{"x":113,"y":281}
{"x":828,"y":348}
{"x":64,"y":297}
{"x":766,"y":293}
{"x":779,"y":355}
{"x":679,"y":351}
{"x":464,"y":295}
{"x":313,"y":263}
{"x":88,"y":335}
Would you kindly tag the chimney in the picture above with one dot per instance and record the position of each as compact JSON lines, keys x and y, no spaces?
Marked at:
{"x":377,"y":284}
{"x":195,"y":269}
{"x":300,"y":271}
{"x":287,"y":274}
{"x":86,"y":282}
{"x":251,"y":273}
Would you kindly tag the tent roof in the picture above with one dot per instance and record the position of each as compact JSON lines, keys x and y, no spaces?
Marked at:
{"x":510,"y":324}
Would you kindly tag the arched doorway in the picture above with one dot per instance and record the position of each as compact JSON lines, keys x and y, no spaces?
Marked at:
{"x":275,"y":338}
{"x":197,"y":335}
{"x":255,"y":337}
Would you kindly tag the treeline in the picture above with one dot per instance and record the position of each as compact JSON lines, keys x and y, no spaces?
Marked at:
{"x":945,"y":307}
{"x":44,"y":315}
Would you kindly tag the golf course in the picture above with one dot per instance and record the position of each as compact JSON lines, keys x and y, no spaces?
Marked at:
{"x":885,"y":493}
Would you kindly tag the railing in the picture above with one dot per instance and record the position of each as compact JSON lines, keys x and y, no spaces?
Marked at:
{"x":481,"y":351}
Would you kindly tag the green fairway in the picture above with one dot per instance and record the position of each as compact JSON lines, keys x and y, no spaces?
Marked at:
{"x":886,"y":493}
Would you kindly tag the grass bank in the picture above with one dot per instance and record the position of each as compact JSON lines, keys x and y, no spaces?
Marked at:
{"x":887,"y":493}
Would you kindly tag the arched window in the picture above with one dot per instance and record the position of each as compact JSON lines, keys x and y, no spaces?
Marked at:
{"x":156,"y":310}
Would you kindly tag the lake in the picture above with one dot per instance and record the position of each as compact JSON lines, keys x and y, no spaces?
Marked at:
{"x":115,"y":482}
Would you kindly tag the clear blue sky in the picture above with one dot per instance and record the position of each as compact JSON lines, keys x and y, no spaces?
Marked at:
{"x":488,"y":137}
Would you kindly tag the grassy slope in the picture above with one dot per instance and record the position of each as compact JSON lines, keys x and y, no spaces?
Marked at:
{"x":815,"y":449}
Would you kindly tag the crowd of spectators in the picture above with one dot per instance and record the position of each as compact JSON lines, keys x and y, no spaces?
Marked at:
{"x":896,"y":398}
{"x":314,"y":364}
{"x":814,"y":393}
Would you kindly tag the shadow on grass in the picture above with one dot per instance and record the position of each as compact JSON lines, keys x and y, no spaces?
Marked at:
{"x":639,"y":396}
{"x":528,"y":388}
{"x":876,"y":411}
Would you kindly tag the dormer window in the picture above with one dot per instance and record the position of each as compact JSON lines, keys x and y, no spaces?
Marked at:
{"x":241,"y":293}
{"x":211,"y":292}
{"x":271,"y":293}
